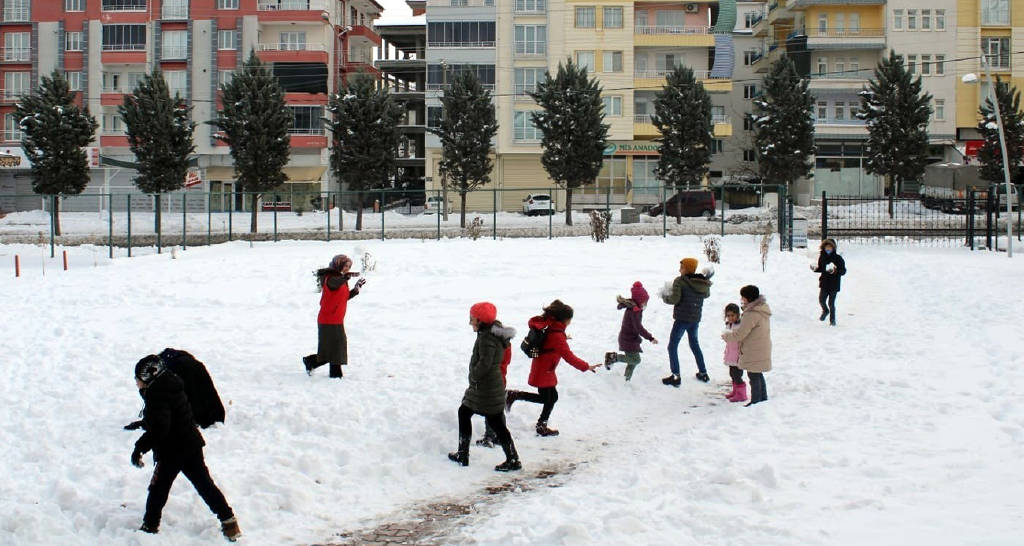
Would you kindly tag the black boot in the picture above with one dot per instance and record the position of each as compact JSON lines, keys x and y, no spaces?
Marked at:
{"x":336,"y":371}
{"x":310,"y":363}
{"x":543,"y":430}
{"x":672,"y":380}
{"x":824,"y":315}
{"x":511,"y":458}
{"x":462,"y":455}
{"x":702,"y":376}
{"x":489,"y":439}
{"x":510,"y":396}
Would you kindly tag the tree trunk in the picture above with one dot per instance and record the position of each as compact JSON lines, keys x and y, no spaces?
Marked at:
{"x":893,"y":183}
{"x":156,"y":217}
{"x":462,"y":213}
{"x":56,"y":214}
{"x":568,"y":206}
{"x":255,"y":209}
{"x":359,"y":211}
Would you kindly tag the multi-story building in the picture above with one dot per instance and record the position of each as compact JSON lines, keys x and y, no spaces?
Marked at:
{"x":737,"y":161}
{"x":105,"y":46}
{"x":628,"y":46}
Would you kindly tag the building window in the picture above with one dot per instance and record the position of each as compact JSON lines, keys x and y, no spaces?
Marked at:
{"x":439,"y":76}
{"x":926,"y":19}
{"x":459,"y":3}
{"x":839,"y":111}
{"x":717,"y":146}
{"x":912,"y":64}
{"x":434,"y":114}
{"x":823,"y":24}
{"x":16,"y":84}
{"x":461,"y":34}
{"x":112,"y":124}
{"x":74,"y":5}
{"x":718,"y":114}
{"x":749,"y":155}
{"x":750,"y":55}
{"x":940,"y":65}
{"x":822,"y":111}
{"x":613,"y":17}
{"x":16,"y":11}
{"x":531,"y":39}
{"x":224,"y":77}
{"x":227,"y":39}
{"x":940,"y":19}
{"x":897,"y":19}
{"x":527,"y":80}
{"x":17,"y":46}
{"x":177,"y":83}
{"x":586,"y":17}
{"x":227,"y":4}
{"x":523,"y":129}
{"x":926,"y":65}
{"x":293,"y":41}
{"x":174,"y":9}
{"x":854,"y":67}
{"x":749,"y":18}
{"x":124,"y":5}
{"x":748,"y":123}
{"x":612,"y":61}
{"x":174,"y":44}
{"x":531,"y":5}
{"x":306,"y":120}
{"x":74,"y":80}
{"x":671,"y":20}
{"x":911,"y":19}
{"x":73,"y":41}
{"x":940,"y":110}
{"x":840,"y":25}
{"x":585,"y":59}
{"x":822,"y":66}
{"x":749,"y":90}
{"x":997,"y":52}
{"x":612,"y":106}
{"x":854,"y":23}
{"x":840,"y":65}
{"x":995,"y":12}
{"x":124,"y":37}
{"x":118,"y":82}
{"x":12,"y":129}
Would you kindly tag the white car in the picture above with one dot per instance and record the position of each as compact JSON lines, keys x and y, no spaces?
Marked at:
{"x":537,"y":203}
{"x":433,"y":205}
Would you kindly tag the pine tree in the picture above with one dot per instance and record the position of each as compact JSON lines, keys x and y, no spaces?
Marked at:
{"x":991,"y":154}
{"x":365,"y":126}
{"x":572,"y":126}
{"x":466,"y":136}
{"x":54,"y":132}
{"x":254,"y":123}
{"x":896,"y":111}
{"x":159,"y":131}
{"x":784,"y":125}
{"x":682,"y":114}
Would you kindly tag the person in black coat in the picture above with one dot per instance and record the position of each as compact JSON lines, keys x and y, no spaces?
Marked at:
{"x":177,"y":446}
{"x":832,"y":267}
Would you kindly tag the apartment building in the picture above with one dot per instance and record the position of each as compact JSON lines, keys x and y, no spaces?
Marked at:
{"x":105,"y":47}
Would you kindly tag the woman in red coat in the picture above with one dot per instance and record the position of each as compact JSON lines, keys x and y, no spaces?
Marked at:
{"x":332,"y":343}
{"x":556,"y":319}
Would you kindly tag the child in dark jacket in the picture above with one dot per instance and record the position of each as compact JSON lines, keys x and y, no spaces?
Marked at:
{"x":686,"y":294}
{"x":332,"y":343}
{"x":632,"y":330}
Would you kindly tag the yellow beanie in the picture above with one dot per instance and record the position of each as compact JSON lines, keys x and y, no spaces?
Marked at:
{"x":689,"y":265}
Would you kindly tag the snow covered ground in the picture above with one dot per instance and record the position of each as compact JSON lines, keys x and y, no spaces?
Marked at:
{"x":900,"y":426}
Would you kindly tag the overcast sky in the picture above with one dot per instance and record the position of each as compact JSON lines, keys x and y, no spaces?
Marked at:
{"x":394,"y":9}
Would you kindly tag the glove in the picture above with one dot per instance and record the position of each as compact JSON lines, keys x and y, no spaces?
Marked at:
{"x":708,"y":272}
{"x":134,"y":425}
{"x":137,"y":459}
{"x":360,"y":283}
{"x":813,"y":267}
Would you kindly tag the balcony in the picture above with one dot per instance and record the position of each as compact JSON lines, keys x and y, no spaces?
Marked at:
{"x":124,"y":53}
{"x":837,"y":128}
{"x":521,"y":92}
{"x":172,"y":12}
{"x":721,"y":125}
{"x":673,"y":36}
{"x":442,"y":86}
{"x":861,"y":38}
{"x":174,"y":53}
{"x":13,"y":95}
{"x":292,"y":10}
{"x":999,"y":62}
{"x":462,"y":45}
{"x":124,"y":5}
{"x":367,"y":33}
{"x":292,"y":52}
{"x":16,"y":14}
{"x":11,"y":135}
{"x":655,"y":79}
{"x":643,"y":128}
{"x":852,"y":80}
{"x":307,"y":137}
{"x":461,"y":3}
{"x":16,"y":55}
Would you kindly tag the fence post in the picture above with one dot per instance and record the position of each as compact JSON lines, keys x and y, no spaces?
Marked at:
{"x":382,"y":214}
{"x":722,"y":198}
{"x":277,"y":199}
{"x":209,"y":218}
{"x":159,"y":225}
{"x":551,"y":215}
{"x":1019,"y":206}
{"x":494,"y":215}
{"x":53,"y":219}
{"x":231,"y":209}
{"x":824,"y":215}
{"x":664,"y":213}
{"x":129,"y":200}
{"x":110,"y":224}
{"x":327,"y":205}
{"x":438,"y":217}
{"x":970,"y":219}
{"x":988,"y":219}
{"x":184,"y":218}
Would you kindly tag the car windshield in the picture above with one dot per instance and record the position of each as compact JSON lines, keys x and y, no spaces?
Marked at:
{"x":541,"y":197}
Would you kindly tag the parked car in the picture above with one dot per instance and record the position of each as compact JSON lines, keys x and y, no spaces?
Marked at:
{"x":433,"y":205}
{"x":688,"y":203}
{"x":537,"y":203}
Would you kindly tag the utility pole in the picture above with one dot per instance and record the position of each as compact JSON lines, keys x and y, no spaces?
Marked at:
{"x":444,"y":114}
{"x":1006,"y":166}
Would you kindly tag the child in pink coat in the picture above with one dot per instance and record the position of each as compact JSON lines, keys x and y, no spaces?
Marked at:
{"x":732,"y":356}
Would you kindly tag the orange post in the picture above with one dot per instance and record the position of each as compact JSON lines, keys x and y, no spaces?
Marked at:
{"x":65,"y":260}
{"x":17,"y":266}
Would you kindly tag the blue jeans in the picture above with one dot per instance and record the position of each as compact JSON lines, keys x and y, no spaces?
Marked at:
{"x":678,"y":329}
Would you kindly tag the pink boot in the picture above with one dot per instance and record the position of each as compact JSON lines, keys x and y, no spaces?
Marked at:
{"x":732,"y":392}
{"x":739,"y":393}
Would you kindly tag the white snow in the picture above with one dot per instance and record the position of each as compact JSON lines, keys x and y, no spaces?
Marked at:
{"x":899,"y":426}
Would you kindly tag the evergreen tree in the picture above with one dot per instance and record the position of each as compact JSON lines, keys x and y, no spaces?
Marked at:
{"x":54,"y":132}
{"x":896,"y":111}
{"x":159,"y":131}
{"x":682,"y":114}
{"x":254,"y":123}
{"x":466,"y":136}
{"x":365,"y":127}
{"x":572,"y":126}
{"x":991,"y":154}
{"x":784,"y":125}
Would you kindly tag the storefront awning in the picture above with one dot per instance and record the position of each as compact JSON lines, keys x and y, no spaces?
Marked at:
{"x":295,"y":174}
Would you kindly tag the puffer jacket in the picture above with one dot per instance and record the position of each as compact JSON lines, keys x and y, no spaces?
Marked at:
{"x":555,"y":348}
{"x":170,"y":430}
{"x":830,"y":281}
{"x":754,"y":335}
{"x":687,"y":296}
{"x":486,"y":392}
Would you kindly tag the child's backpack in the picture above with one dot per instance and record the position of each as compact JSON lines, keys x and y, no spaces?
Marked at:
{"x":533,"y":343}
{"x":207,"y":408}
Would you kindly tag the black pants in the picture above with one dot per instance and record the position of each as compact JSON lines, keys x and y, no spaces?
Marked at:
{"x":758,"y":391}
{"x":736,"y":373}
{"x":495,"y":421}
{"x":827,"y":299}
{"x":193,"y":466}
{"x":544,"y":395}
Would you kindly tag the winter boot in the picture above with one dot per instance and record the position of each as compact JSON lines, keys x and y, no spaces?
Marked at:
{"x":462,"y":455}
{"x":510,"y":396}
{"x":146,"y":528}
{"x":543,"y":430}
{"x":336,"y":371}
{"x":702,"y":376}
{"x":824,"y":315}
{"x":511,"y":458}
{"x":739,"y":393}
{"x":609,"y":359}
{"x":230,"y":529}
{"x":310,"y":363}
{"x":672,"y":380}
{"x":489,"y":439}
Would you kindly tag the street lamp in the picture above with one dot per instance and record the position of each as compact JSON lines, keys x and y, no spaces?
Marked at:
{"x":973,"y":78}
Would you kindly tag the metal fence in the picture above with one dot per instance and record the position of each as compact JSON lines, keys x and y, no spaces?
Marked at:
{"x":123,"y":221}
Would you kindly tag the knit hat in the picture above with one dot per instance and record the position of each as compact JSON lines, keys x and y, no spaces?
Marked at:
{"x":339,"y":261}
{"x":638,"y":294}
{"x":149,"y":368}
{"x":689,"y":265}
{"x":484,"y":311}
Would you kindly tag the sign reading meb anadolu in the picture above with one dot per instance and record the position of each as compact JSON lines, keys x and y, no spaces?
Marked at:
{"x":634,"y":147}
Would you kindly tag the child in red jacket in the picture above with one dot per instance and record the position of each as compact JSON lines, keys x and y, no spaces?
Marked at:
{"x":556,"y":319}
{"x":332,"y":343}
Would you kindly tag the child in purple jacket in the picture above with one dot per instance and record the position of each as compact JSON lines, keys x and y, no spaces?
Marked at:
{"x":632,"y":330}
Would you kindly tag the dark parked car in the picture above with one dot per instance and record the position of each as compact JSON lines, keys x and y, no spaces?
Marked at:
{"x":688,"y":203}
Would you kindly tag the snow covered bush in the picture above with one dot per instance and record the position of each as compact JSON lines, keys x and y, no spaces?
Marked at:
{"x":474,"y":228}
{"x":600,"y":222}
{"x":713,"y":249}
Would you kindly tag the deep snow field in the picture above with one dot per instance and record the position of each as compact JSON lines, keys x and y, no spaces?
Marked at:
{"x":903,"y":425}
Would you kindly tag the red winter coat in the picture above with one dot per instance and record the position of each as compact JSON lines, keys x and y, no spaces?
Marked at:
{"x":333,"y":301}
{"x":556,"y":347}
{"x":505,"y":360}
